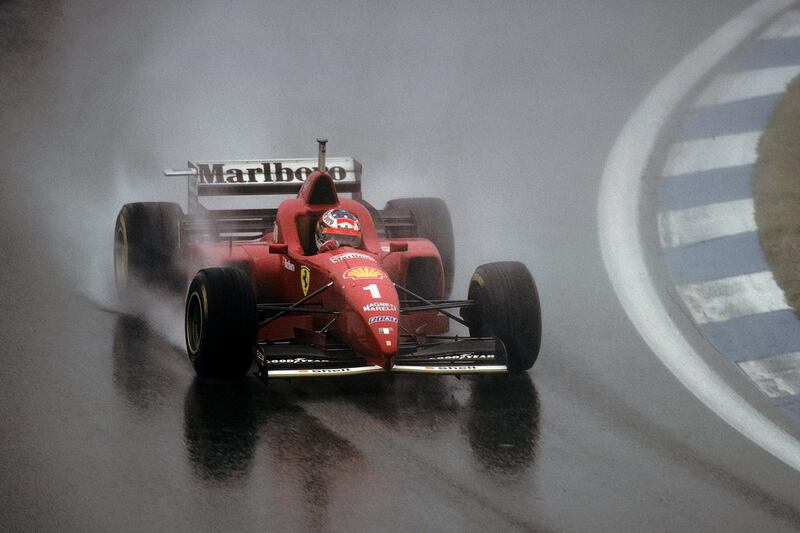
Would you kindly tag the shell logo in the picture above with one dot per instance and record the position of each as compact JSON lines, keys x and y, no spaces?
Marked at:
{"x":364,"y":272}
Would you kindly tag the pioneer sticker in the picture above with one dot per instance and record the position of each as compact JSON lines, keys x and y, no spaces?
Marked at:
{"x":288,"y":265}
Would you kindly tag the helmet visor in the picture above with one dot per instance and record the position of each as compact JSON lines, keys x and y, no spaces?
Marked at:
{"x":345,"y":237}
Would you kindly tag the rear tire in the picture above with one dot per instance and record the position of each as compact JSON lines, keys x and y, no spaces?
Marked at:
{"x":221,"y":323}
{"x":433,"y":223}
{"x":506,"y":305}
{"x":147,"y":247}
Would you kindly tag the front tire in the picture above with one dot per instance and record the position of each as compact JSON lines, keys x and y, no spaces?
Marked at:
{"x":221,"y":323}
{"x":506,"y":305}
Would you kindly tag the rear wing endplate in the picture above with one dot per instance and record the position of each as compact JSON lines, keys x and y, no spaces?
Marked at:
{"x":266,"y":176}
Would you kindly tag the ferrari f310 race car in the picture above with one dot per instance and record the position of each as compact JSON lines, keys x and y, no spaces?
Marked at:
{"x":259,"y":288}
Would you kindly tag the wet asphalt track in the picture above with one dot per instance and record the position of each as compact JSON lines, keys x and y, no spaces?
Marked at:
{"x":104,"y":426}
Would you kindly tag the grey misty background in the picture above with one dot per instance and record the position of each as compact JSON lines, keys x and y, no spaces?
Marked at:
{"x":500,"y":108}
{"x":507,"y":110}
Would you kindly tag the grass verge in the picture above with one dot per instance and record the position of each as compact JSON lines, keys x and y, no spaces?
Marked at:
{"x":776,"y":188}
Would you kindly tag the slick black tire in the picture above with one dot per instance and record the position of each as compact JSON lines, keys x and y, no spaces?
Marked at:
{"x":147,"y":248}
{"x":221,"y":323}
{"x":432,"y":218}
{"x":506,"y":305}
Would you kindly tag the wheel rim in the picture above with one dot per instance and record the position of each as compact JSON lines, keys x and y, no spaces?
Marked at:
{"x":121,"y":255}
{"x":194,"y":323}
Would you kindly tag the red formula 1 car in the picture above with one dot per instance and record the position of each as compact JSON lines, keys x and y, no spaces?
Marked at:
{"x":259,"y":286}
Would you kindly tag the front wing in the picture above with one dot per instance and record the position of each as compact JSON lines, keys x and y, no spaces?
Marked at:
{"x":450,"y":356}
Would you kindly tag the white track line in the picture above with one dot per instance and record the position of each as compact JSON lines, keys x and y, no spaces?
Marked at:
{"x":776,"y":376}
{"x":733,"y":297}
{"x":620,"y":241}
{"x":727,"y":88}
{"x":715,"y":152}
{"x":712,"y":221}
{"x":788,"y":25}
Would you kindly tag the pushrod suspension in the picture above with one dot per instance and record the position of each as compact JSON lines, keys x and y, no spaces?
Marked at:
{"x":429,"y":303}
{"x":296,"y":304}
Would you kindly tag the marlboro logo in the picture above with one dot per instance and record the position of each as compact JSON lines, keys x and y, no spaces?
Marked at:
{"x":276,"y":171}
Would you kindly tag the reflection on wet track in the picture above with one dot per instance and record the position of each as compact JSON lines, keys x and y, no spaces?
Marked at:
{"x":137,"y":376}
{"x":227,"y":425}
{"x":221,"y":426}
{"x":503,"y":424}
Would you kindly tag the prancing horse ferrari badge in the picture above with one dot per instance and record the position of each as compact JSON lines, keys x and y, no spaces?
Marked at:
{"x":305,"y":279}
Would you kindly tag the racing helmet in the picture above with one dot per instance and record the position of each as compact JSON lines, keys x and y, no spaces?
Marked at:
{"x":338,"y":225}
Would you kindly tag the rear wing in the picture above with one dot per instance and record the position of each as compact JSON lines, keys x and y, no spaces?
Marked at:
{"x":267,"y":176}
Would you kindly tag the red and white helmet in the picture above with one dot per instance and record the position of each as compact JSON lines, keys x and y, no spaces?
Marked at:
{"x":338,"y":225}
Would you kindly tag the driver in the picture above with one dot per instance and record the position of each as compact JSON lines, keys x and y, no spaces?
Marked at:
{"x":335,"y":228}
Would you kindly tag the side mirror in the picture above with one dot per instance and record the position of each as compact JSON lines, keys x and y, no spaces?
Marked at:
{"x":398,"y":247}
{"x":279,"y":248}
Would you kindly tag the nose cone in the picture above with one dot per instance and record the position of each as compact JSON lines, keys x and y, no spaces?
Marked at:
{"x":373,"y":299}
{"x":380,"y":313}
{"x":372,"y":308}
{"x":385,"y":334}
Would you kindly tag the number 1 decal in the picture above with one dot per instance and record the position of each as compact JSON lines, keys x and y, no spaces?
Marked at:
{"x":373,"y":290}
